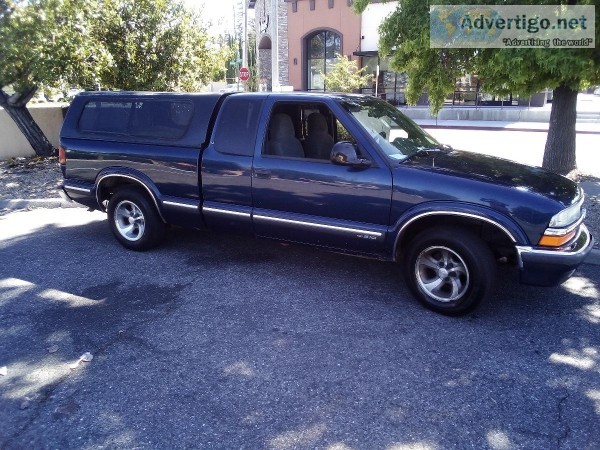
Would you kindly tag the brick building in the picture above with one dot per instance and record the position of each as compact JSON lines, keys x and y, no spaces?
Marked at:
{"x":297,"y":41}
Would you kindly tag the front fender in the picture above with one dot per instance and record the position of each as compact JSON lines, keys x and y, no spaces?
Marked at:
{"x":456,"y":209}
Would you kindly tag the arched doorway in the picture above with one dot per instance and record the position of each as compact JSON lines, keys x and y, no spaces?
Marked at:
{"x":265,"y":79}
{"x":321,"y":47}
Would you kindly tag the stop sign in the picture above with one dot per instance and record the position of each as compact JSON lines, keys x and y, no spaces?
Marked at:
{"x":244,"y":74}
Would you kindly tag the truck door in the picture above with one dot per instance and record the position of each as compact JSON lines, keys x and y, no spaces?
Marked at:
{"x":226,"y":167}
{"x":300,"y":195}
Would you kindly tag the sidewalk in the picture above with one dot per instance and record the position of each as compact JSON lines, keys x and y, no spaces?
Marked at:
{"x":506,"y":118}
{"x":494,"y":125}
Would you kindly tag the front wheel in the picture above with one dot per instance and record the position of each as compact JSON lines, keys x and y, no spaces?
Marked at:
{"x":450,"y":270}
{"x":133,"y":220}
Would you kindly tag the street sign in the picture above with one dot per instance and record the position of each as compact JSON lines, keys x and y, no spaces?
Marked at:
{"x":244,"y":74}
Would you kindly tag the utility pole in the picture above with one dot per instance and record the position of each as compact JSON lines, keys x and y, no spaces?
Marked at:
{"x":245,"y":35}
{"x":274,"y":46}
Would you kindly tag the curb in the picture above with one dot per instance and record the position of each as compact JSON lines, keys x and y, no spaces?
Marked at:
{"x":28,"y":203}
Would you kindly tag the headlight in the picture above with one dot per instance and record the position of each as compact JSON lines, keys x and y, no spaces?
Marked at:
{"x":567,"y":216}
{"x":564,"y":225}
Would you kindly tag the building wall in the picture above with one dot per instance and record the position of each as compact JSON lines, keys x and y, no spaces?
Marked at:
{"x":13,"y":144}
{"x":265,"y":22}
{"x":340,"y":18}
{"x":264,"y":69}
{"x":282,"y":43}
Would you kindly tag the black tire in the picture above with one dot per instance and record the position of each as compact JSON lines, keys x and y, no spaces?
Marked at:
{"x":449,"y":270}
{"x":134,"y":220}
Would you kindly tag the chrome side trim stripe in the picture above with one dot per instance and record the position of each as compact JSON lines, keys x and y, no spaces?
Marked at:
{"x":319,"y":225}
{"x":225,"y":211}
{"x":80,"y":189}
{"x":180,"y":205}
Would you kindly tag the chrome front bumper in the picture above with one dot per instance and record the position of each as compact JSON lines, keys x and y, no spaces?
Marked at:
{"x":543,"y":267}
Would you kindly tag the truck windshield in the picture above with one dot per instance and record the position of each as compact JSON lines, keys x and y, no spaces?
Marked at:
{"x":397,"y":136}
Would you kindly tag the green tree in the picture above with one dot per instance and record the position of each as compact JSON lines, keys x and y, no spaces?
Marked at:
{"x":234,"y":44}
{"x":117,"y":44}
{"x":232,"y":65}
{"x":156,"y":45}
{"x":405,"y":35}
{"x":345,"y":76}
{"x":43,"y":43}
{"x":252,"y":83}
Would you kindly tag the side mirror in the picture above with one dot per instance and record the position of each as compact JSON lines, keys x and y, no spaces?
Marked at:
{"x":344,"y":153}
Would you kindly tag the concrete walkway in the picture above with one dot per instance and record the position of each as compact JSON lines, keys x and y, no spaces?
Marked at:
{"x":509,"y":118}
{"x":496,"y":125}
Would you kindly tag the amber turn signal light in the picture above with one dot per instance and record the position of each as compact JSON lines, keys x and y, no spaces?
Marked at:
{"x":556,"y":241}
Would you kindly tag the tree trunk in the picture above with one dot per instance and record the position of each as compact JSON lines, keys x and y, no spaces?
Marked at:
{"x":559,"y":154}
{"x":18,"y":112}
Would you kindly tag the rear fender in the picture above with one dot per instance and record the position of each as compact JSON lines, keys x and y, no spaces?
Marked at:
{"x":115,"y":176}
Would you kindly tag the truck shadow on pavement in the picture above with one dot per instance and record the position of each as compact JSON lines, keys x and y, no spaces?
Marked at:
{"x":220,"y":341}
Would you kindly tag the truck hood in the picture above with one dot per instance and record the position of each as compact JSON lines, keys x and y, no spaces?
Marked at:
{"x":476,"y":166}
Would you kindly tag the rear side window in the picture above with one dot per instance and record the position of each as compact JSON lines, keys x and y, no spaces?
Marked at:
{"x":237,"y":126}
{"x":105,"y":117}
{"x":143,"y":118}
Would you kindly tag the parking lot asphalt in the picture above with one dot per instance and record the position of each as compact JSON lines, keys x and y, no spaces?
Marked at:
{"x":220,"y":341}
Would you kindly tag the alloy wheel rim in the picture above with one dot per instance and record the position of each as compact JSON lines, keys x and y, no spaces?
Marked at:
{"x":129,"y":220}
{"x":442,"y":274}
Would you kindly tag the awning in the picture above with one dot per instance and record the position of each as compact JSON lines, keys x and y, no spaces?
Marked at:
{"x":367,"y":53}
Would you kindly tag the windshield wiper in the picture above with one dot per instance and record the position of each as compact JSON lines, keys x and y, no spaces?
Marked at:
{"x":423,"y":151}
{"x":426,"y":151}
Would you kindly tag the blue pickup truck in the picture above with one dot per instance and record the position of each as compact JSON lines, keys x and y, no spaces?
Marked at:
{"x":344,"y":172}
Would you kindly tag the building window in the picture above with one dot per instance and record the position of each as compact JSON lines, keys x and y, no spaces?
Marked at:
{"x":321,"y":48}
{"x":312,"y":5}
{"x":295,"y":6}
{"x":330,"y":4}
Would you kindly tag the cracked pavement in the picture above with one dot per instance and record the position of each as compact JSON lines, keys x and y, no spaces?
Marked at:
{"x":219,"y":341}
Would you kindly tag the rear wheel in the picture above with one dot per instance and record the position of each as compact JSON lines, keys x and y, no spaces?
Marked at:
{"x":133,"y":220}
{"x":450,"y":270}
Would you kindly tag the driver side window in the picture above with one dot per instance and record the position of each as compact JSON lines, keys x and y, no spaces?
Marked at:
{"x":342,"y":134}
{"x":304,"y":130}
